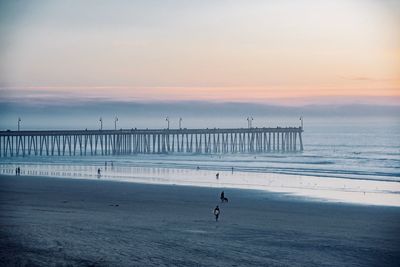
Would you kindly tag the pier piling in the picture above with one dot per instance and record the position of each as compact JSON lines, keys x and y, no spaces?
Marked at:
{"x":149,"y":141}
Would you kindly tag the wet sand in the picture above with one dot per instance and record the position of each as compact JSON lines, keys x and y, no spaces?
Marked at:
{"x":55,"y":221}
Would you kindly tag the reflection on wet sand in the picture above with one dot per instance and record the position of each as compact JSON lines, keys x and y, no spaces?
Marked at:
{"x":323,"y":188}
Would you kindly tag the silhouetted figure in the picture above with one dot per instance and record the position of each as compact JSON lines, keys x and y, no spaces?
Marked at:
{"x":216,"y":213}
{"x":198,"y":168}
{"x":223,"y":198}
{"x":217,"y":176}
{"x":16,"y":171}
{"x":19,"y":171}
{"x":98,"y":172}
{"x":232,"y":170}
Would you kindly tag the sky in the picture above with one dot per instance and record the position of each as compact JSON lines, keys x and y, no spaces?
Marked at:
{"x":270,"y":52}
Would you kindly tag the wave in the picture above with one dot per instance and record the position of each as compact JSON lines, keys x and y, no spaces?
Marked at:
{"x":249,"y":166}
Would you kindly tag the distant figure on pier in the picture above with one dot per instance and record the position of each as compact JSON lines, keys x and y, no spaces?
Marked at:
{"x":216,"y":213}
{"x":217,"y":176}
{"x":223,"y":198}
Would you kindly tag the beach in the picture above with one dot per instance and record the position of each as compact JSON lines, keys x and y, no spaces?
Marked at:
{"x":200,"y":133}
{"x":49,"y":221}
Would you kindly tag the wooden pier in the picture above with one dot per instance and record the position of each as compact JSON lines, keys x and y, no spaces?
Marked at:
{"x":149,"y":141}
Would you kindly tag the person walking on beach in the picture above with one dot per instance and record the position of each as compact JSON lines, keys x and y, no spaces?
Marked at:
{"x":217,"y":176}
{"x":98,"y":172}
{"x":19,"y":171}
{"x":223,"y":198}
{"x":16,"y":171}
{"x":216,"y":213}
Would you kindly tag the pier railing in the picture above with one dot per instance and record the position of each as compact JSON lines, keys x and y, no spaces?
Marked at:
{"x":149,"y":141}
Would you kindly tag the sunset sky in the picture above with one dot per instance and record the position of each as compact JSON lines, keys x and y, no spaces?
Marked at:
{"x":280,"y":52}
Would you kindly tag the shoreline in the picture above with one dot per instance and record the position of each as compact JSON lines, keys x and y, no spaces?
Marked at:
{"x":98,"y":161}
{"x":355,"y":191}
{"x":281,"y":196}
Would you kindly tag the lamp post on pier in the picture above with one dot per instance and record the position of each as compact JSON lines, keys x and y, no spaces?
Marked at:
{"x":101,"y":123}
{"x":19,"y":122}
{"x":249,"y":120}
{"x":180,"y":123}
{"x":167,"y":119}
{"x":115,"y":122}
{"x":301,"y":119}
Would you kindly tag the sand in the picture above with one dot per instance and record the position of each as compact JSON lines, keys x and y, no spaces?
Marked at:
{"x":59,"y":222}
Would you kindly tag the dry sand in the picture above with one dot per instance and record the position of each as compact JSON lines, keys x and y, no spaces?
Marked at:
{"x":55,"y":221}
